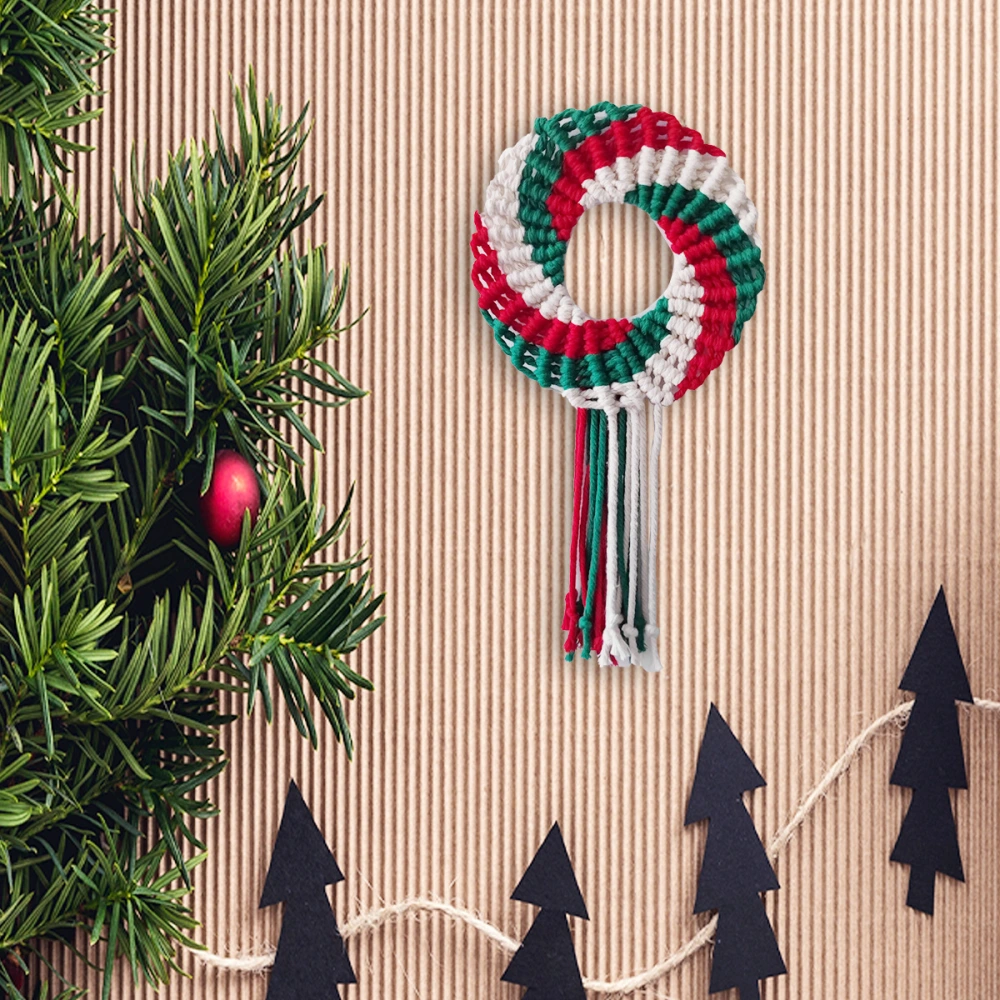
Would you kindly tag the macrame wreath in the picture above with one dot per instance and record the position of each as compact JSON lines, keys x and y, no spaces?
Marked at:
{"x":609,"y":368}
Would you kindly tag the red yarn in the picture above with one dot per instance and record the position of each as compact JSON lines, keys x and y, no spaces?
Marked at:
{"x":571,"y":617}
{"x":558,"y":337}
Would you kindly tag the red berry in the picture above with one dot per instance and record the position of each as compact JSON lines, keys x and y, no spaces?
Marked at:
{"x":15,"y":971}
{"x":233,"y":490}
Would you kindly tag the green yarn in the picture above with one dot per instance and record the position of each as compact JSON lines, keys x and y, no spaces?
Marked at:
{"x":542,"y":166}
{"x":715,"y":219}
{"x":571,"y":127}
{"x":593,"y":453}
{"x":618,"y":364}
{"x":623,"y":555}
{"x":640,"y":620}
{"x":597,"y":426}
{"x":541,"y":170}
{"x":622,"y":418}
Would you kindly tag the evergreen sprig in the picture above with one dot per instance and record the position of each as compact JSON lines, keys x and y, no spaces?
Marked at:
{"x":233,"y":311}
{"x":48,"y":51}
{"x":121,"y":375}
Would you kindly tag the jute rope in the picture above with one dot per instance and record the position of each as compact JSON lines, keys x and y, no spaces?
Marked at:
{"x":375,"y":918}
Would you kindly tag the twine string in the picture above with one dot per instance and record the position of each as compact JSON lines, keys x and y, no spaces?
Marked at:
{"x":378,"y":917}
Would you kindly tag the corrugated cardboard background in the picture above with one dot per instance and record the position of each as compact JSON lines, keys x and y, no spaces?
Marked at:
{"x":818,"y":489}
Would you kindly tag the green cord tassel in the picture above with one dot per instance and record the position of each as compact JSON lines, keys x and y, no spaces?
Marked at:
{"x":595,"y":518}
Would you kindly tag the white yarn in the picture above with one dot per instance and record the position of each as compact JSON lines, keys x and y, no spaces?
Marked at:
{"x":378,"y":917}
{"x":605,"y":397}
{"x":650,"y":658}
{"x":636,"y":458}
{"x":613,"y":644}
{"x":643,"y":510}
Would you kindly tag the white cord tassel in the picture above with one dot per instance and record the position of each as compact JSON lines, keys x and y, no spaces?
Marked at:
{"x":633,"y":493}
{"x":613,"y":645}
{"x":650,"y":658}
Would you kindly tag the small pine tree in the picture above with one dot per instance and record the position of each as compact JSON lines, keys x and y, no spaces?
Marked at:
{"x":546,"y":961}
{"x":931,"y":759}
{"x":735,"y":869}
{"x":311,"y":957}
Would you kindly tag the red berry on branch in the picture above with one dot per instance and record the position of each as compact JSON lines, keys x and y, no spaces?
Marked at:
{"x":233,"y":490}
{"x":15,"y":972}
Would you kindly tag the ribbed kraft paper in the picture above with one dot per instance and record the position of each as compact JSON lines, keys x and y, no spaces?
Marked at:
{"x":837,"y":469}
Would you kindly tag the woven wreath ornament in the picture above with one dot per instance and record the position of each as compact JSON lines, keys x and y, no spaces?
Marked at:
{"x":608,"y":368}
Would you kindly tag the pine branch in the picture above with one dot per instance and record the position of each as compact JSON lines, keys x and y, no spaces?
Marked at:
{"x":120,"y":623}
{"x":233,"y":311}
{"x":48,"y":51}
{"x":305,"y":632}
{"x":58,"y":278}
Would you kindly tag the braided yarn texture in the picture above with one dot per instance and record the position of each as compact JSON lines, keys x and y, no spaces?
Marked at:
{"x":625,"y":155}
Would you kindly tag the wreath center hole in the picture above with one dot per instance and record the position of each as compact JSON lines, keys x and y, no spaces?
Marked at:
{"x":617,"y":261}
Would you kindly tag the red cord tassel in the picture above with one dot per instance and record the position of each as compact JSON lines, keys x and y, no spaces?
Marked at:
{"x":571,"y":615}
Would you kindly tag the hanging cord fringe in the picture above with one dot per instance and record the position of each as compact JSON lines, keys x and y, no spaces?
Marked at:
{"x":597,"y":476}
{"x":610,"y":604}
{"x":614,"y":648}
{"x":573,"y":608}
{"x":636,"y":436}
{"x":649,"y":658}
{"x":600,"y":594}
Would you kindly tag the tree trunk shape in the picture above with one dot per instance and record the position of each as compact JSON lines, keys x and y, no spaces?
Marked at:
{"x":745,"y":946}
{"x":921,"y":892}
{"x":311,"y":958}
{"x":928,"y":842}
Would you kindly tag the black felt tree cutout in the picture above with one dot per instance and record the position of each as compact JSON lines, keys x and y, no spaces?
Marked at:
{"x":735,"y":869}
{"x":546,"y":961}
{"x":931,"y":759}
{"x":311,"y":958}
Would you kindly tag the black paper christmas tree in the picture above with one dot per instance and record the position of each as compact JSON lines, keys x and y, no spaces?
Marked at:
{"x":311,"y":957}
{"x":931,"y":759}
{"x":546,"y":961}
{"x":735,"y":869}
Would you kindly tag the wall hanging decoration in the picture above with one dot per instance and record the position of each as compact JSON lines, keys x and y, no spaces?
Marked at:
{"x":931,"y":759}
{"x":609,"y":369}
{"x":735,"y":868}
{"x":311,"y":958}
{"x":132,"y":378}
